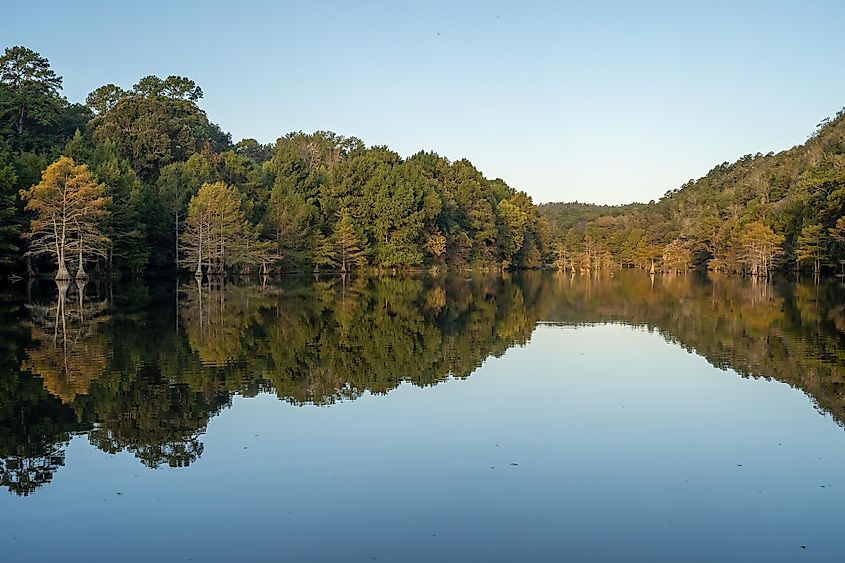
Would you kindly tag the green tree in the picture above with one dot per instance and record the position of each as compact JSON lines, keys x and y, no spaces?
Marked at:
{"x":157,"y":124}
{"x":217,"y":234}
{"x":290,"y":219}
{"x":324,"y":251}
{"x":104,"y":98}
{"x":10,"y":227}
{"x":512,"y":222}
{"x":347,"y":243}
{"x":29,"y":89}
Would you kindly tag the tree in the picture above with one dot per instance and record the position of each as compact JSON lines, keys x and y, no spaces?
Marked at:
{"x":812,"y":245}
{"x":125,"y":226}
{"x":104,"y":98}
{"x":217,"y":233}
{"x":761,"y":247}
{"x":347,"y":243}
{"x":677,"y":255}
{"x":324,"y":251}
{"x":396,"y":207}
{"x":290,"y":219}
{"x":69,"y":207}
{"x":177,"y":183}
{"x":512,"y":222}
{"x":158,"y":123}
{"x":435,"y":244}
{"x":9,"y":222}
{"x":29,"y":88}
{"x":837,"y":232}
{"x":172,"y":87}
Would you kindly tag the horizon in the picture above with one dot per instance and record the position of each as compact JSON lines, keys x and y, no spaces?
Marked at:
{"x":565,"y":103}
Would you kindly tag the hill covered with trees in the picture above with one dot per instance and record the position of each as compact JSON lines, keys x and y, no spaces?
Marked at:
{"x":754,"y":215}
{"x":140,"y":179}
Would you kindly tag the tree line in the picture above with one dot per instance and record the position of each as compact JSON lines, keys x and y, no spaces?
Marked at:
{"x":753,"y":216}
{"x":137,"y":180}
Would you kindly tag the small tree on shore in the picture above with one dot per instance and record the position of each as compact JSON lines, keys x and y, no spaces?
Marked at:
{"x":347,"y":243}
{"x":69,"y":209}
{"x":677,"y":256}
{"x":761,"y":248}
{"x":812,"y":246}
{"x":324,"y":251}
{"x":217,"y":234}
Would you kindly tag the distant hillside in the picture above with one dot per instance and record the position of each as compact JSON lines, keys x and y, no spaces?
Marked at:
{"x":566,"y":215}
{"x":754,"y":215}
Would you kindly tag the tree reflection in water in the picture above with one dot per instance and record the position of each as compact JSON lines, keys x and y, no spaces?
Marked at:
{"x":135,"y":374}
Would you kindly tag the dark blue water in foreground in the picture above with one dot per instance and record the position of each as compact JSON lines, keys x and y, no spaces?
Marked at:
{"x":532,"y":417}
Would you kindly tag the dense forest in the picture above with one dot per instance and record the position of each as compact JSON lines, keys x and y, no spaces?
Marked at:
{"x":758,"y":214}
{"x":140,"y":180}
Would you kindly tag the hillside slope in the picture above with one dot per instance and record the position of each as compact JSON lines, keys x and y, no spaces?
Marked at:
{"x":756,"y":214}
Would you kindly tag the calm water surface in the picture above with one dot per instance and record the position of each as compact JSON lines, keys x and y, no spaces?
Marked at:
{"x":525,"y":417}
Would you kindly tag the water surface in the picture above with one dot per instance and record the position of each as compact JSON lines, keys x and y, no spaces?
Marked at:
{"x":490,"y":418}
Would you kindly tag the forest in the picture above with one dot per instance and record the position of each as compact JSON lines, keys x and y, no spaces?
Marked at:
{"x":139,"y":180}
{"x":753,"y":216}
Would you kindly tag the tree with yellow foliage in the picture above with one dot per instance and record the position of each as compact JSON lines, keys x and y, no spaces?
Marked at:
{"x":69,"y":208}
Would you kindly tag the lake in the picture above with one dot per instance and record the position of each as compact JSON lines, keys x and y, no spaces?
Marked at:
{"x":526,"y":416}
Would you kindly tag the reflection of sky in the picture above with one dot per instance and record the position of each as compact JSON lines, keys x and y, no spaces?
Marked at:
{"x":627,"y":448}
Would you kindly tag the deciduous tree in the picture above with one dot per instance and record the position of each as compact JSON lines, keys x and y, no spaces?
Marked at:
{"x":69,"y":207}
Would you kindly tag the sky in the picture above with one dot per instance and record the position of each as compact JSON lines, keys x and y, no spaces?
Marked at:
{"x":605,"y":102}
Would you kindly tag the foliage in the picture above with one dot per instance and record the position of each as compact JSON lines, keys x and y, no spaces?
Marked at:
{"x":69,"y":207}
{"x":305,"y":201}
{"x":724,"y":218}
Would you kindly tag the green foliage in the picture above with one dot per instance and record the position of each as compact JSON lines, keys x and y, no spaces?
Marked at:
{"x":779,"y":207}
{"x":33,"y":116}
{"x":812,"y":245}
{"x":10,"y":224}
{"x":307,"y":200}
{"x":347,"y":244}
{"x":290,"y":220}
{"x":155,"y":124}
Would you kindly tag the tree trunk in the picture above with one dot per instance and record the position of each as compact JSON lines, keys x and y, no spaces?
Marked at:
{"x":62,"y":274}
{"x":176,"y":246}
{"x":21,"y":115}
{"x":198,"y":273}
{"x":80,"y":271}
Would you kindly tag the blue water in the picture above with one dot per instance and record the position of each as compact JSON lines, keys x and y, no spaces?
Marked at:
{"x":591,"y":443}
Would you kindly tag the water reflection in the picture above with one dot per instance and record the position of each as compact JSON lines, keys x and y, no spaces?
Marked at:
{"x":143,"y":369}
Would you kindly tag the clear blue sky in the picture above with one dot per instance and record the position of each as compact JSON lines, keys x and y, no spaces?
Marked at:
{"x":606,"y":102}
